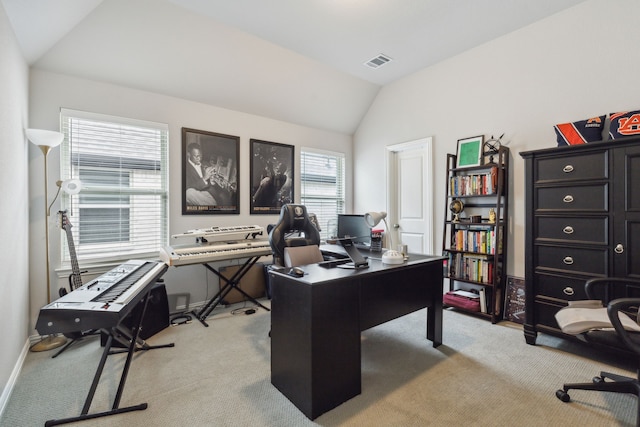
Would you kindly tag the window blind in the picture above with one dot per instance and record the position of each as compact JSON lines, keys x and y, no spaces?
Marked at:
{"x":121,"y":211}
{"x":323,"y":187}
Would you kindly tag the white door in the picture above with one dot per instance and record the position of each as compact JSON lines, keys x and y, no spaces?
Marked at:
{"x":410,"y":190}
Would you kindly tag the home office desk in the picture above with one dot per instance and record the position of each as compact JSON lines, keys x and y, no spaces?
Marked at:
{"x":316,"y":322}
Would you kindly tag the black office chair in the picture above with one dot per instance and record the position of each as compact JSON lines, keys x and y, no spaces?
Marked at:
{"x":621,"y":297}
{"x":294,"y":239}
{"x":294,"y":229}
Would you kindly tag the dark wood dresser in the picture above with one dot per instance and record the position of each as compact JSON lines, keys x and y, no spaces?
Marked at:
{"x":582,"y":209}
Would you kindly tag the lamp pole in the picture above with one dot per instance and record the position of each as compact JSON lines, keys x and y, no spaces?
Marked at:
{"x":46,"y":140}
{"x":45,"y":150}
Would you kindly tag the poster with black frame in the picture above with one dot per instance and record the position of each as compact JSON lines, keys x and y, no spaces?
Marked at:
{"x":210,"y":173}
{"x":271,"y":176}
{"x":514,"y":300}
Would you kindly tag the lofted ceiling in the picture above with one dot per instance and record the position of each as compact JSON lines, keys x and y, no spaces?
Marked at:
{"x":300,"y":61}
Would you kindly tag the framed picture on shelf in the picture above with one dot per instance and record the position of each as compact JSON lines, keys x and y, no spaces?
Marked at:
{"x":210,"y":173}
{"x":271,"y":176}
{"x":470,"y":151}
{"x":514,"y":300}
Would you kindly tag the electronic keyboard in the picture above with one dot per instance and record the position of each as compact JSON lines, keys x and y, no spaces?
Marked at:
{"x":102,"y":302}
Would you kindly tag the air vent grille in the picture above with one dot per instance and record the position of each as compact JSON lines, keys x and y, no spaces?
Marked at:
{"x":378,"y":61}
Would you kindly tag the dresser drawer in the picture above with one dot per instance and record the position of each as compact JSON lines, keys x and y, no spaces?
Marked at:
{"x":545,"y":312}
{"x":570,"y":168}
{"x":574,"y":260}
{"x":587,"y":198}
{"x":560,"y":287}
{"x":589,"y":230}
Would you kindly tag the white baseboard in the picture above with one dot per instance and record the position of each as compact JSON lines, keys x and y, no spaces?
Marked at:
{"x":8,"y":387}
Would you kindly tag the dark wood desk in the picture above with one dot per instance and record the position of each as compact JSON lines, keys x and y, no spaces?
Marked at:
{"x":316,"y":322}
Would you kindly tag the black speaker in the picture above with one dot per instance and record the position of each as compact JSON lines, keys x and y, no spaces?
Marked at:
{"x":156,"y":317}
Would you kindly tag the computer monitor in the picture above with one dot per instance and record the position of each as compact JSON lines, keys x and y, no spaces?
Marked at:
{"x":355,"y":228}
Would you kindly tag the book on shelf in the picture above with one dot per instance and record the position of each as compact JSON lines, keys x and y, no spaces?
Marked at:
{"x":475,"y":185}
{"x":473,"y":240}
{"x":455,"y":299}
{"x":473,"y":267}
{"x":467,"y":294}
{"x":483,"y":300}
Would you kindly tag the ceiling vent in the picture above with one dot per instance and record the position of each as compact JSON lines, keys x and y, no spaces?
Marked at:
{"x":378,"y":61}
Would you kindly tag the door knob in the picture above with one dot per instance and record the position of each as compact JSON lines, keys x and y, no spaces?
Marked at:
{"x":619,"y":248}
{"x":396,"y":225}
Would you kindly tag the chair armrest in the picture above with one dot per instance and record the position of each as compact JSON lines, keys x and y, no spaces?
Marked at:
{"x":613,"y":310}
{"x":592,"y":286}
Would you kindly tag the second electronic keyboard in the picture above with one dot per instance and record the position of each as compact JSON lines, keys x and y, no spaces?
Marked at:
{"x":247,"y":230}
{"x":211,"y":252}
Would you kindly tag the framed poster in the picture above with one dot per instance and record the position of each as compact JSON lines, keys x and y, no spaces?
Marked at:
{"x":514,"y":300}
{"x":271,"y":176}
{"x":210,"y":173}
{"x":470,"y":151}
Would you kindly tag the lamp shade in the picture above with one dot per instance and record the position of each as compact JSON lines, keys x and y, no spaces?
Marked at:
{"x":391,"y":256}
{"x":41,"y":137}
{"x":373,"y":218}
{"x":71,"y":186}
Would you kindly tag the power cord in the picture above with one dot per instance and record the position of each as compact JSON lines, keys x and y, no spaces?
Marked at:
{"x":180,"y":319}
{"x":244,"y":309}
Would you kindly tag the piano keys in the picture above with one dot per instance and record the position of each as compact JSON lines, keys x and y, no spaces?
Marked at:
{"x":102,"y":302}
{"x":202,"y":253}
{"x":247,"y":230}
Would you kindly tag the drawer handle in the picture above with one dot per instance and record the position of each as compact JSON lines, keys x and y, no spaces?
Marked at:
{"x":567,"y":169}
{"x":619,"y":248}
{"x":568,"y":198}
{"x":568,"y":229}
{"x":568,"y":291}
{"x":567,"y":260}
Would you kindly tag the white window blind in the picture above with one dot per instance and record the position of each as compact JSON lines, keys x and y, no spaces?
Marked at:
{"x":121,"y":212}
{"x":323,"y":187}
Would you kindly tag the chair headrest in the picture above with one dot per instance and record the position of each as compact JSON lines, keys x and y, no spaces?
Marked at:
{"x":293,"y":219}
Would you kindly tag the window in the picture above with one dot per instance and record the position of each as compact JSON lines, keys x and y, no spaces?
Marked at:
{"x":121,"y":212}
{"x":322,"y":181}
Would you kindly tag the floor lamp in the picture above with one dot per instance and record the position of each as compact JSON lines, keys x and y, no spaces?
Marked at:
{"x":46,"y":140}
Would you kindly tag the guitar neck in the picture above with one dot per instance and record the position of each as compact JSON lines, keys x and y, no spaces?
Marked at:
{"x":76,"y":279}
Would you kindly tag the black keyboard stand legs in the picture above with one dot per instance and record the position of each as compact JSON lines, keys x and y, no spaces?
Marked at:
{"x":229,"y":285}
{"x":121,"y":334}
{"x":73,"y":339}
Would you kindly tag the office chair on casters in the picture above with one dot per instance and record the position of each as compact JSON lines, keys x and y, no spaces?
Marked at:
{"x":622,"y":298}
{"x":295,"y":239}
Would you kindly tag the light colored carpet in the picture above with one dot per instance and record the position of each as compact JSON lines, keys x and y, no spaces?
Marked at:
{"x":483,"y":375}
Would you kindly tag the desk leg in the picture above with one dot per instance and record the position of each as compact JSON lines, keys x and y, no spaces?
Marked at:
{"x":434,"y":315}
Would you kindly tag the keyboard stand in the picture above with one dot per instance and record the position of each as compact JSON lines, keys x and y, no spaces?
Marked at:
{"x":229,"y":285}
{"x":75,"y":338}
{"x":131,"y":338}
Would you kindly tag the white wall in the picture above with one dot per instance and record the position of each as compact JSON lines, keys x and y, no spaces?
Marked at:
{"x":577,"y":64}
{"x":50,"y":92}
{"x":14,"y":208}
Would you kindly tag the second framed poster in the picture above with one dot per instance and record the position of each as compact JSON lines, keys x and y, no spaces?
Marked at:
{"x":271,"y":176}
{"x":209,"y":173}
